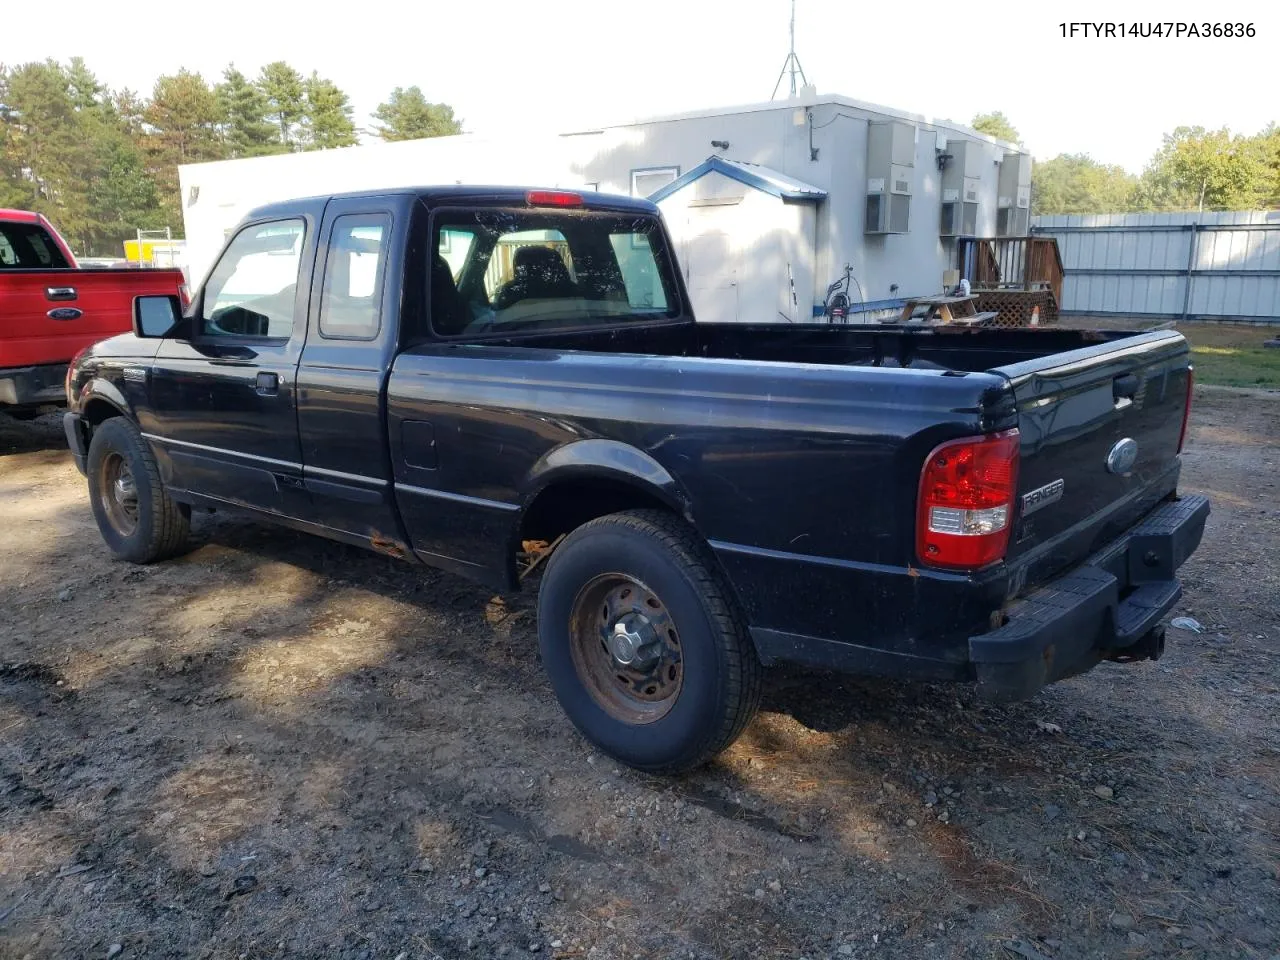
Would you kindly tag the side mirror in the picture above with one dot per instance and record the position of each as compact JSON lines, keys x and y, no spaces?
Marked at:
{"x":155,"y":317}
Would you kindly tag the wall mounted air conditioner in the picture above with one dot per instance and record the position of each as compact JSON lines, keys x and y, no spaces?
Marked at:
{"x":962,"y":188}
{"x":959,"y":218}
{"x":887,"y":213}
{"x":891,"y":159}
{"x":1013,"y":203}
{"x":1013,"y":221}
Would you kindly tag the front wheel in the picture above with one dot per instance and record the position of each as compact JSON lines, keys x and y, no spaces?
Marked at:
{"x":135,"y":514}
{"x":643,"y":642}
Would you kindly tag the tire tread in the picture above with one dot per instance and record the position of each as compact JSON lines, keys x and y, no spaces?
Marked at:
{"x":171,"y":522}
{"x":745,"y":681}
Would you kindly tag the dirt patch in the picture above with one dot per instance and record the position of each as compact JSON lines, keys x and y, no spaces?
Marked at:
{"x":276,"y":746}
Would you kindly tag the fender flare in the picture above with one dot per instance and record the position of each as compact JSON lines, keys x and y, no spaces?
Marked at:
{"x":99,"y":389}
{"x":602,"y":459}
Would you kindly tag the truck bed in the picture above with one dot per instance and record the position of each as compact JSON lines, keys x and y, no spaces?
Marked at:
{"x":961,"y":349}
{"x":867,"y":404}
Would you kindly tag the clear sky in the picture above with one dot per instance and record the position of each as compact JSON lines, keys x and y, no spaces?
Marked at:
{"x":559,"y":65}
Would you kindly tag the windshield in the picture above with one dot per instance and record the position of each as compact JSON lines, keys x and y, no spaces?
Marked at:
{"x":499,"y":270}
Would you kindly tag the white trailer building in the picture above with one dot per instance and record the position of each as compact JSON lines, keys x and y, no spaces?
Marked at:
{"x":767,"y":202}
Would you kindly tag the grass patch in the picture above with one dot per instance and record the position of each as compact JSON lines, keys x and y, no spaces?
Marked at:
{"x":1232,"y":354}
{"x":1236,"y":366}
{"x":1224,"y":354}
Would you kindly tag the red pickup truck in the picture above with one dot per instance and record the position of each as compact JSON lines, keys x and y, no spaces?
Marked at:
{"x":50,"y":308}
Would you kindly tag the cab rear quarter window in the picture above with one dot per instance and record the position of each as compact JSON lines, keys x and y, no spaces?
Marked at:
{"x":28,"y":246}
{"x":355,"y":265}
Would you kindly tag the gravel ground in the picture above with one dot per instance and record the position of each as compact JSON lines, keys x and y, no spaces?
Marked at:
{"x":276,"y":746}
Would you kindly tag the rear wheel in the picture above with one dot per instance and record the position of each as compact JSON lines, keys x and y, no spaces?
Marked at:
{"x":643,"y":642}
{"x":137,"y":518}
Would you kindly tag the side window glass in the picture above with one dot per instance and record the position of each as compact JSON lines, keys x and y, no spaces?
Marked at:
{"x":351,"y":302}
{"x":252,"y":289}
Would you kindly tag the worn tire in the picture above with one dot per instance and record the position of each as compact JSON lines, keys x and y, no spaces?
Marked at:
{"x":162,"y":524}
{"x":721,"y":682}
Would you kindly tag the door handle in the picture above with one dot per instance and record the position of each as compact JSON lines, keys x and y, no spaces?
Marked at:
{"x":1123,"y":389}
{"x":267,"y":385}
{"x":1124,"y":386}
{"x":59,"y":293}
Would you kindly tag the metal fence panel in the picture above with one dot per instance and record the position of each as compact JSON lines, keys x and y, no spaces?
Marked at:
{"x":1169,"y":265}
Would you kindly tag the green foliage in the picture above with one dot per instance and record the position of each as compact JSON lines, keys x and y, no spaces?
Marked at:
{"x":407,"y":115}
{"x":183,"y":116}
{"x":1076,"y":183}
{"x":83,"y":86}
{"x":102,"y":163}
{"x":1194,"y":169}
{"x":45,"y":149}
{"x":1268,"y":147}
{"x":1198,"y":169}
{"x":328,"y":115}
{"x":285,"y":91}
{"x":182,"y":123}
{"x":997,"y":125}
{"x":243,"y":107}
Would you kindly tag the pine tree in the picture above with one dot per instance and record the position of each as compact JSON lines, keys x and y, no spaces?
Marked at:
{"x":183,"y":115}
{"x":245,"y":128}
{"x":182,"y":121}
{"x":46,"y":156}
{"x":407,"y":115}
{"x":327,"y":122}
{"x":83,"y":86}
{"x":284,"y":89}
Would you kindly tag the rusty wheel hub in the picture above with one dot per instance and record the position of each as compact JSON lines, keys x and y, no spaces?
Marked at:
{"x":118,"y":493}
{"x":626,"y":649}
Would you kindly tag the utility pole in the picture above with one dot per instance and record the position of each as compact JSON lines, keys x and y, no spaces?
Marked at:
{"x":792,"y":63}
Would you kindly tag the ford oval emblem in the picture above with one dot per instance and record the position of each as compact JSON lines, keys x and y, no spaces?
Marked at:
{"x":65,"y":313}
{"x":1122,"y":457}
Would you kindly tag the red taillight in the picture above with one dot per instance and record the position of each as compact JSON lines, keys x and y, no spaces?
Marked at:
{"x":967,"y":493}
{"x":1186,"y":407}
{"x":184,"y":295}
{"x":553,"y":198}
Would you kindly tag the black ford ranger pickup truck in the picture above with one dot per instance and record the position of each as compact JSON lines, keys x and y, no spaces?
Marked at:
{"x":502,"y":382}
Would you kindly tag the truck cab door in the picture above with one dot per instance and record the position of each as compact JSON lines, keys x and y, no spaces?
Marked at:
{"x":222,"y":391}
{"x":351,"y":343}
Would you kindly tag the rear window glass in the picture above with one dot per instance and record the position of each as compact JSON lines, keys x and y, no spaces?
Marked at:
{"x":507,"y":270}
{"x":28,"y":246}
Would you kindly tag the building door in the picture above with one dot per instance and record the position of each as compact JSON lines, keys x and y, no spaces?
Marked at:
{"x":711,"y":275}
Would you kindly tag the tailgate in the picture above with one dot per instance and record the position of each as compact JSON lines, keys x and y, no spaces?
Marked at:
{"x":46,"y":316}
{"x":1100,"y":429}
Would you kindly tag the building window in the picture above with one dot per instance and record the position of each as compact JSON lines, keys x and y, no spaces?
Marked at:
{"x":649,"y":180}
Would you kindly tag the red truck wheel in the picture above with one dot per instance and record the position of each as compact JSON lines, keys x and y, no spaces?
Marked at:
{"x":137,"y":518}
{"x":644,"y":644}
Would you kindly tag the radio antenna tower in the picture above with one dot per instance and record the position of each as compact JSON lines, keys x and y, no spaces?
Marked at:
{"x":792,"y":63}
